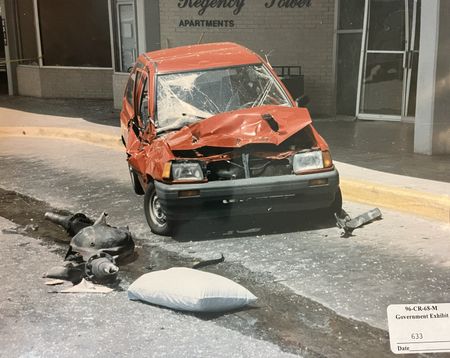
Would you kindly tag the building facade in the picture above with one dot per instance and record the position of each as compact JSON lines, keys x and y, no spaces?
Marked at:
{"x":360,"y":58}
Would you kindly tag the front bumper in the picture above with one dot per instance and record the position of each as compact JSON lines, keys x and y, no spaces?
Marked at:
{"x":248,"y":196}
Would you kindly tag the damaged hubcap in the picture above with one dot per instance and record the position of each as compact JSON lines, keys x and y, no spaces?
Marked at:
{"x":156,"y":211}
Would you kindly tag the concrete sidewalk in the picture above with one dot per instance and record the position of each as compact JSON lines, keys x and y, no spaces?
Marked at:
{"x":427,"y":198}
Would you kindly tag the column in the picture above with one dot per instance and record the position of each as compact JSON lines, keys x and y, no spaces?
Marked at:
{"x":432,"y":123}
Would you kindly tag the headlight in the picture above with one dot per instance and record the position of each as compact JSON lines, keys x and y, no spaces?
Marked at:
{"x":187,"y":171}
{"x":311,"y":160}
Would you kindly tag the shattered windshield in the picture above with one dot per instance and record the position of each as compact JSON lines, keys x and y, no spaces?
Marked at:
{"x":184,"y":98}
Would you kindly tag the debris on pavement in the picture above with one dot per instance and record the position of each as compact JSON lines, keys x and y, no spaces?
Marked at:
{"x":93,"y":250}
{"x":345,"y":222}
{"x":21,"y":230}
{"x":54,"y":282}
{"x":69,"y":271}
{"x":72,"y":223}
{"x":205,"y":263}
{"x":187,"y":289}
{"x":101,"y":267}
{"x":87,"y":287}
{"x":32,"y":227}
{"x":101,"y":237}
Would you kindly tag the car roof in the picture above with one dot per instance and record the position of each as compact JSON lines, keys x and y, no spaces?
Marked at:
{"x":204,"y":56}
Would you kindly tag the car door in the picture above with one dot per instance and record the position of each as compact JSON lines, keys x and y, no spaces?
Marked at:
{"x":127,"y":112}
{"x":144,"y":102}
{"x":141,"y":129}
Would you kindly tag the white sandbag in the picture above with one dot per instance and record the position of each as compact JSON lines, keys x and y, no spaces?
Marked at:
{"x":187,"y":289}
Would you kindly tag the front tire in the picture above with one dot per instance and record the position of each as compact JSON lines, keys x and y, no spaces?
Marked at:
{"x":135,"y":183}
{"x":154,"y":213}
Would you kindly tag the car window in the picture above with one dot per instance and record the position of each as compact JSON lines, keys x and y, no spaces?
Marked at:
{"x":143,"y":108}
{"x":130,"y":88}
{"x":136,"y":92}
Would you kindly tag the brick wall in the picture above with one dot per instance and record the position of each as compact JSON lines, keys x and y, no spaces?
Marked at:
{"x":29,"y":81}
{"x":64,"y":82}
{"x":119,"y":83}
{"x":293,"y":36}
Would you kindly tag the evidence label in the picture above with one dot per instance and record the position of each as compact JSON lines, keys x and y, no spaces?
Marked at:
{"x":419,"y":328}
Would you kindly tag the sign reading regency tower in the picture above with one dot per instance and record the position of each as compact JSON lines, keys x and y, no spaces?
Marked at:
{"x":235,"y":5}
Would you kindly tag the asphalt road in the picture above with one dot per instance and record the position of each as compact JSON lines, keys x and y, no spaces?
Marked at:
{"x":302,"y":259}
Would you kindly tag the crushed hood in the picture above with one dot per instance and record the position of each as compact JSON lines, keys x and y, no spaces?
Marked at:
{"x":239,"y":128}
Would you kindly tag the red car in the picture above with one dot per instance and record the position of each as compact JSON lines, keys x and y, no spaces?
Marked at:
{"x":211,"y":131}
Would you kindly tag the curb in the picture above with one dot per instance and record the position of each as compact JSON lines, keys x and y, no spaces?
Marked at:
{"x":104,"y":140}
{"x":416,"y":202}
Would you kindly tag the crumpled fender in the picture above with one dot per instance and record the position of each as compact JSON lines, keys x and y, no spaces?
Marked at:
{"x":151,"y":158}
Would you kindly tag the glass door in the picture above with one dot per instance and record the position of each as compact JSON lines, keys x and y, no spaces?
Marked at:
{"x":382,"y":80}
{"x":349,"y":39}
{"x":126,"y":25}
{"x":411,"y":58}
{"x":387,"y":69}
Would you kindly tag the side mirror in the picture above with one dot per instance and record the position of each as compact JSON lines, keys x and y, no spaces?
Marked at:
{"x":302,"y":101}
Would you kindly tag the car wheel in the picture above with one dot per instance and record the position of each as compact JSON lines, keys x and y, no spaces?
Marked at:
{"x":336,"y":206}
{"x":137,"y":187}
{"x":154,"y":213}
